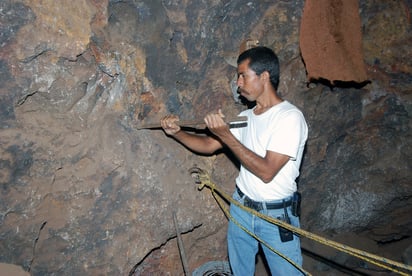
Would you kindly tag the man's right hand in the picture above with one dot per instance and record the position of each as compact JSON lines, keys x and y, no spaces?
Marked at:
{"x":169,"y":124}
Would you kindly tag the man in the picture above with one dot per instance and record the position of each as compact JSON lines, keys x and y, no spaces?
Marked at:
{"x":270,"y":151}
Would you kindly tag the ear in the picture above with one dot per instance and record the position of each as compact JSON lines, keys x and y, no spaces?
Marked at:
{"x":265,"y":76}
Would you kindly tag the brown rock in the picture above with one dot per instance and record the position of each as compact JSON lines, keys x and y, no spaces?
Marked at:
{"x":10,"y":269}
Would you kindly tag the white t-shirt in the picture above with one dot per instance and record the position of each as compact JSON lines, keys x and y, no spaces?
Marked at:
{"x":281,"y":129}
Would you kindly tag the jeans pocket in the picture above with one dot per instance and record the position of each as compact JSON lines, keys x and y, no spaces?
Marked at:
{"x":237,"y":197}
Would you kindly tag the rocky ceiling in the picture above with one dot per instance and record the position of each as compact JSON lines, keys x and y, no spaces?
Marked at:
{"x":84,"y":192}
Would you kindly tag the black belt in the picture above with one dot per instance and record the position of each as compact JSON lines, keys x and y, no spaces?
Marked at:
{"x":258,"y":206}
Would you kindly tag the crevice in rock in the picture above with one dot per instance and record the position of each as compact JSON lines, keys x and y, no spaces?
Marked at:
{"x":35,"y":56}
{"x":393,"y":238}
{"x":4,"y":214}
{"x":135,"y":269}
{"x":23,"y":99}
{"x":35,"y":244}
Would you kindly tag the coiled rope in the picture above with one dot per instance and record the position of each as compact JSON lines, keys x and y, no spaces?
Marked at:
{"x":203,"y":179}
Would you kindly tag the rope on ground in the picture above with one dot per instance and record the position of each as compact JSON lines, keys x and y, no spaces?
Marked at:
{"x":203,"y":178}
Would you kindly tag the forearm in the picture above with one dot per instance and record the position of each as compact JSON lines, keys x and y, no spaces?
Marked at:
{"x":197,"y":143}
{"x":250,"y":160}
{"x":264,"y":168}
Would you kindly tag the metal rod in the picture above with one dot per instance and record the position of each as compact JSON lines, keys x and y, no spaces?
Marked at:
{"x":196,"y":123}
{"x":181,"y":247}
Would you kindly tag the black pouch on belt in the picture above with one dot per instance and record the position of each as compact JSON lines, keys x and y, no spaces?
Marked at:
{"x":285,"y":234}
{"x":296,"y":199}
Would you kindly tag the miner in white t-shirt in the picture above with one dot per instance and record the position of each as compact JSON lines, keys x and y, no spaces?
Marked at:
{"x":270,"y":150}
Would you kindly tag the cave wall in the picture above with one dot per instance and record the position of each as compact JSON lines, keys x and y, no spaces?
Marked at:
{"x":84,"y":192}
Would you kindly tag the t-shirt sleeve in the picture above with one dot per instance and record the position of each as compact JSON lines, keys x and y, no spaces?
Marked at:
{"x":287,"y":134}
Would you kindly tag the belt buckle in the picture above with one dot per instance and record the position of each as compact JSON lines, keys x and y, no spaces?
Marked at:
{"x":247,"y":202}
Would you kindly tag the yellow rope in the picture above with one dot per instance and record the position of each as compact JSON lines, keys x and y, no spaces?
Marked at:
{"x":203,"y":178}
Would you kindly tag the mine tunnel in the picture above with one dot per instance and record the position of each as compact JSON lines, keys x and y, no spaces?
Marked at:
{"x":86,"y":190}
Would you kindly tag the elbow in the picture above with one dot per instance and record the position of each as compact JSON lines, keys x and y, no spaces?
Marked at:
{"x":212,"y":146}
{"x":267,"y":175}
{"x":267,"y":178}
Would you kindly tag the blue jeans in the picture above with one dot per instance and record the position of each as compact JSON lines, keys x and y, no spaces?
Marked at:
{"x":243,"y":248}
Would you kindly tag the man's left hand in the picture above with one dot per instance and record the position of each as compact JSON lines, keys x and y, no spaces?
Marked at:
{"x":216,"y":124}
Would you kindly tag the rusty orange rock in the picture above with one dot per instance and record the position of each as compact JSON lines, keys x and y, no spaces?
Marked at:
{"x":331,"y":41}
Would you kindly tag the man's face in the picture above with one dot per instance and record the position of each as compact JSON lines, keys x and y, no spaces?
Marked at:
{"x":250,"y":85}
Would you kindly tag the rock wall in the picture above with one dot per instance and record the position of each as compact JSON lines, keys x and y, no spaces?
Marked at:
{"x":83,"y":192}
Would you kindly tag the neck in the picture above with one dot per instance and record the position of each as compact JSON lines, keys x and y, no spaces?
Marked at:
{"x":264,"y":105}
